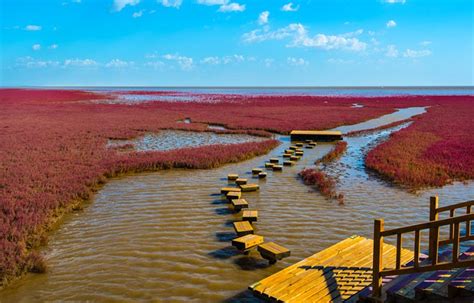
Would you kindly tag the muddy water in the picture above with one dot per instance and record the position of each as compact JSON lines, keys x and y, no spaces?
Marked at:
{"x":172,"y":139}
{"x":165,"y":236}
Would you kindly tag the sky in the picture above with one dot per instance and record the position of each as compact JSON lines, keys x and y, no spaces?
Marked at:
{"x":236,"y":42}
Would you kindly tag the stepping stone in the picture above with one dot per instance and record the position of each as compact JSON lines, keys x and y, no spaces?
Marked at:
{"x":243,"y":228}
{"x":309,"y":146}
{"x":250,"y":215}
{"x":313,"y":144}
{"x":273,"y":252}
{"x":256,"y":171}
{"x":233,"y":195}
{"x":262,"y":175}
{"x":289,"y":151}
{"x":277,"y":167}
{"x":247,"y":242}
{"x":238,"y":204}
{"x":288,"y":163}
{"x":249,"y":187}
{"x":299,"y":144}
{"x":298,"y":150}
{"x":269,"y":165}
{"x":293,"y":147}
{"x":287,"y":155}
{"x":241,"y":181}
{"x":225,"y":190}
{"x":295,"y":158}
{"x":232,"y":177}
{"x":299,"y":153}
{"x":274,"y":160}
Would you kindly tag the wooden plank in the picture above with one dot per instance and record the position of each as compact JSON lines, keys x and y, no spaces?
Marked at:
{"x":256,"y":171}
{"x":273,"y":252}
{"x":243,"y":228}
{"x":238,"y":204}
{"x":249,"y":187}
{"x":299,"y":153}
{"x":274,"y":160}
{"x":233,"y":195}
{"x":277,"y":167}
{"x":287,"y":155}
{"x":262,"y":175}
{"x":225,"y":190}
{"x":248,"y":241}
{"x":232,"y":177}
{"x":295,"y":158}
{"x":241,"y":181}
{"x":269,"y":165}
{"x":288,"y":163}
{"x":250,"y":215}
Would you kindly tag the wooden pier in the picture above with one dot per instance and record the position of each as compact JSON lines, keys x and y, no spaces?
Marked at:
{"x":335,"y":274}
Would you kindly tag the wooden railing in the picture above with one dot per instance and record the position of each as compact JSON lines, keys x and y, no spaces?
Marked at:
{"x":434,"y":242}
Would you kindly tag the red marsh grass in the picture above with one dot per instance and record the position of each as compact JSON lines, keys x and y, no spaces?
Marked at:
{"x":324,"y":183}
{"x":335,"y":153}
{"x":54,"y":151}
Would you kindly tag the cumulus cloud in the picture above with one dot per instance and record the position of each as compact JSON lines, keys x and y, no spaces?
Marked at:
{"x":268,"y":62}
{"x":425,"y":43}
{"x":117,"y":63}
{"x":120,"y":4}
{"x":409,"y":53}
{"x":391,"y":23}
{"x":395,"y":1}
{"x":263,"y":17}
{"x":290,"y":7}
{"x":137,"y":14}
{"x":80,"y":63}
{"x":392,"y":51}
{"x":296,"y":61}
{"x":36,"y":47}
{"x":172,"y":3}
{"x":30,"y":62}
{"x":231,"y":7}
{"x":155,"y":64}
{"x":215,"y":60}
{"x":186,"y":63}
{"x":225,"y":6}
{"x":299,"y":37}
{"x":32,"y":27}
{"x":53,"y":46}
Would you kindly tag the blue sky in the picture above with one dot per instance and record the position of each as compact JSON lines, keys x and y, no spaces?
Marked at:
{"x":236,"y":42}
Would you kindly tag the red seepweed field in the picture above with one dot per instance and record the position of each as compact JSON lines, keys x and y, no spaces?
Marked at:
{"x":53,"y":147}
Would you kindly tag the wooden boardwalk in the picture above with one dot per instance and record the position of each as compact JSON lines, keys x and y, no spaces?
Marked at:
{"x":335,"y":274}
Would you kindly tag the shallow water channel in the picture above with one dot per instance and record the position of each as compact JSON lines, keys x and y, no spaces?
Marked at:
{"x":165,"y":236}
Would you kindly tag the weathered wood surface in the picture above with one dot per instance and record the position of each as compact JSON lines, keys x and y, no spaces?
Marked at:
{"x":250,"y":215}
{"x":249,"y":187}
{"x":247,"y":242}
{"x":243,"y":228}
{"x":273,"y":252}
{"x":232,"y":177}
{"x":302,"y":135}
{"x":337,"y":273}
{"x":241,"y":181}
{"x":225,"y":190}
{"x":238,"y":204}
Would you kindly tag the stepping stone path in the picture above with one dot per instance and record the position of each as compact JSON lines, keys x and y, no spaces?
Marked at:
{"x":246,"y":239}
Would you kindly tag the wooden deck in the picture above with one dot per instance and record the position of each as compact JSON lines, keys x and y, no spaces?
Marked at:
{"x":316,"y":135}
{"x":335,"y":274}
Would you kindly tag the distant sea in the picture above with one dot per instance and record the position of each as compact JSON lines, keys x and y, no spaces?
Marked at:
{"x":312,"y":91}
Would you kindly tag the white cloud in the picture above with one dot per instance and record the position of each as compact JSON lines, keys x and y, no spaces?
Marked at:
{"x":186,"y":63}
{"x":80,"y":63}
{"x":137,"y":14}
{"x":289,"y":7}
{"x":268,"y":62}
{"x":117,"y":63}
{"x":36,"y":47}
{"x":32,"y":27}
{"x":53,"y":46}
{"x":172,"y":3}
{"x":296,"y":61}
{"x":339,"y":61}
{"x":231,"y":7}
{"x":212,"y":2}
{"x":395,"y":1}
{"x":299,"y":37}
{"x":263,"y":17}
{"x":214,"y":60}
{"x":120,"y":4}
{"x":409,"y":53}
{"x":391,"y":23}
{"x":392,"y":51}
{"x":425,"y":43}
{"x":211,"y":60}
{"x":155,"y":64}
{"x":29,"y":62}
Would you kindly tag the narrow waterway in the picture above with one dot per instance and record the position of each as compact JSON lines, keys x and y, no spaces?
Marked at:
{"x":165,"y":236}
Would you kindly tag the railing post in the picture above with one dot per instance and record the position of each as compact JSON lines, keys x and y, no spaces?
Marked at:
{"x":434,"y":232}
{"x":377,"y":259}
